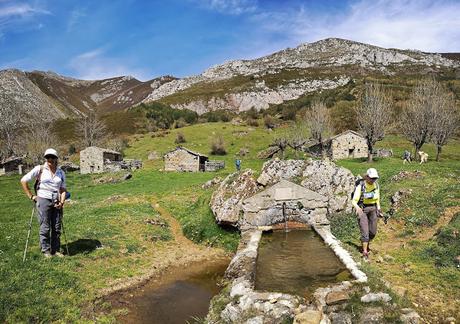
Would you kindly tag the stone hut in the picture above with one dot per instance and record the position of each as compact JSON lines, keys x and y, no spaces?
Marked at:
{"x":182,"y":159}
{"x":94,"y":159}
{"x":13,"y":164}
{"x":348,"y":144}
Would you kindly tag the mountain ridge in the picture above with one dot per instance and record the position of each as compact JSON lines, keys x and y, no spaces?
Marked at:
{"x":236,"y":85}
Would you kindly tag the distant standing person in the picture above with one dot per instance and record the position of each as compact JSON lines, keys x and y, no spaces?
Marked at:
{"x":49,"y":199}
{"x":366,"y":201}
{"x":238,"y":164}
{"x":406,"y":157}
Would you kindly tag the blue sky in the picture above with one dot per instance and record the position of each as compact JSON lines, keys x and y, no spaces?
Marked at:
{"x":96,"y":39}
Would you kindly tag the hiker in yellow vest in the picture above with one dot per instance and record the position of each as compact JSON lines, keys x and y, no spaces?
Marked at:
{"x":366,"y":201}
{"x":49,"y":199}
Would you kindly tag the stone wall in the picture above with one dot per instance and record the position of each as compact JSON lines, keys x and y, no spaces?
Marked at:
{"x":214,"y":165}
{"x":181,"y":160}
{"x":91,"y":160}
{"x":348,"y":145}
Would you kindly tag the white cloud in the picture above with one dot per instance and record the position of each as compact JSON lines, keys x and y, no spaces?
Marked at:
{"x":20,"y":10}
{"x":432,"y":26}
{"x":95,"y":65}
{"x":232,"y":7}
{"x":75,"y":17}
{"x":14,"y":14}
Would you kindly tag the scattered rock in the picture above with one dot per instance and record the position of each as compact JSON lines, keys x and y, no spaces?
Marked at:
{"x":450,"y":320}
{"x":337,"y":297}
{"x":340,"y":318}
{"x":255,"y":320}
{"x":127,"y":176}
{"x":153,"y":156}
{"x":376,"y":297}
{"x":371,"y":315}
{"x":409,"y":316}
{"x":407,"y":175}
{"x":308,"y":317}
{"x":379,"y":259}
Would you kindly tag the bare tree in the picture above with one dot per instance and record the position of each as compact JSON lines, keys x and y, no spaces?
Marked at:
{"x":36,"y":139}
{"x":419,"y":115}
{"x":298,"y":136}
{"x":445,"y":121}
{"x":373,"y":115}
{"x":91,"y":129}
{"x":319,"y":120}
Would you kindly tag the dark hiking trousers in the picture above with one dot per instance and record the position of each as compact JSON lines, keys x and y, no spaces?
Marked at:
{"x":50,"y":225}
{"x":368,"y":223}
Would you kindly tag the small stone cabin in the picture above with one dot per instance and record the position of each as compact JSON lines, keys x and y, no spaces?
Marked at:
{"x":93,"y":159}
{"x":182,"y":159}
{"x":10,"y":165}
{"x":348,"y":144}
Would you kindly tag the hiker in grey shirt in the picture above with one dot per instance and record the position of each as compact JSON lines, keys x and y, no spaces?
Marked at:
{"x":49,"y":199}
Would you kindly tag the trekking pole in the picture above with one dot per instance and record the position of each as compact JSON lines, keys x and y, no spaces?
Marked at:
{"x":28,"y":234}
{"x":63,"y":232}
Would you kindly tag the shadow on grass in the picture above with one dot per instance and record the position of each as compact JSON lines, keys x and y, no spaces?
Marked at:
{"x":82,"y":246}
{"x":354,"y":245}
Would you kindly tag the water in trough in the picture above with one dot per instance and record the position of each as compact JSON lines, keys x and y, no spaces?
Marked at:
{"x":296,"y":262}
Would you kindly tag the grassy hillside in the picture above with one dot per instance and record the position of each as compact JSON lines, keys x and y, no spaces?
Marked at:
{"x":109,"y":238}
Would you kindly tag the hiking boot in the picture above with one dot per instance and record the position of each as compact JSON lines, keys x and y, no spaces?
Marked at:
{"x":47,"y":254}
{"x":59,"y":254}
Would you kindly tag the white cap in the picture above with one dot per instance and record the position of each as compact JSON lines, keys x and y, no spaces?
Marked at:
{"x":51,"y":151}
{"x":372,"y":173}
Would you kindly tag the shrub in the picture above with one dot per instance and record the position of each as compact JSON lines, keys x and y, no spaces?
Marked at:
{"x":218,"y":146}
{"x":252,"y":122}
{"x":180,"y":138}
{"x":269,"y":122}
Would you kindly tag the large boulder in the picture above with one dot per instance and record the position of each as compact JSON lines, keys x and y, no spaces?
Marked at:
{"x":227,"y":199}
{"x":334,"y":182}
{"x":275,"y":170}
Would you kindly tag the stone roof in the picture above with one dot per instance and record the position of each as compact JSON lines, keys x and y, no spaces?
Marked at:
{"x":344,"y":133}
{"x":103,"y":150}
{"x":185,"y":149}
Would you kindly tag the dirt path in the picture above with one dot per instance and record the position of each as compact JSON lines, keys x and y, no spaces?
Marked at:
{"x":430,"y":303}
{"x":174,"y":253}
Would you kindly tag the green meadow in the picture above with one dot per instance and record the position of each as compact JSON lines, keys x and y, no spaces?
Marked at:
{"x":110,"y":239}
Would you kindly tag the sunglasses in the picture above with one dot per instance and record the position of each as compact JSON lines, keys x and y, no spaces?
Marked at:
{"x":51,"y":157}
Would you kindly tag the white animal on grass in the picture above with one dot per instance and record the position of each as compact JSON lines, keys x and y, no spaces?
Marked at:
{"x":423,"y":157}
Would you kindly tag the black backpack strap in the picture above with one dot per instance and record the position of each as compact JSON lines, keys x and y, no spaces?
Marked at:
{"x":38,"y":179}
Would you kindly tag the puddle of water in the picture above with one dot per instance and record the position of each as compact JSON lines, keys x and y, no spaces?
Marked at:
{"x":182,"y":295}
{"x":297,"y":262}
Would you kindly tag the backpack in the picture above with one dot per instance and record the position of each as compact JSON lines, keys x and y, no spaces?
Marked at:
{"x":360,"y":182}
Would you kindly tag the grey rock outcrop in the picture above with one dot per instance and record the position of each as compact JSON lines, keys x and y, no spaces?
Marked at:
{"x":227,"y":199}
{"x":274,"y":170}
{"x":334,"y":182}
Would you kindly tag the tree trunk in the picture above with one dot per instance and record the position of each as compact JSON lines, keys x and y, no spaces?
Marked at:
{"x":369,"y":153}
{"x":438,"y":152}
